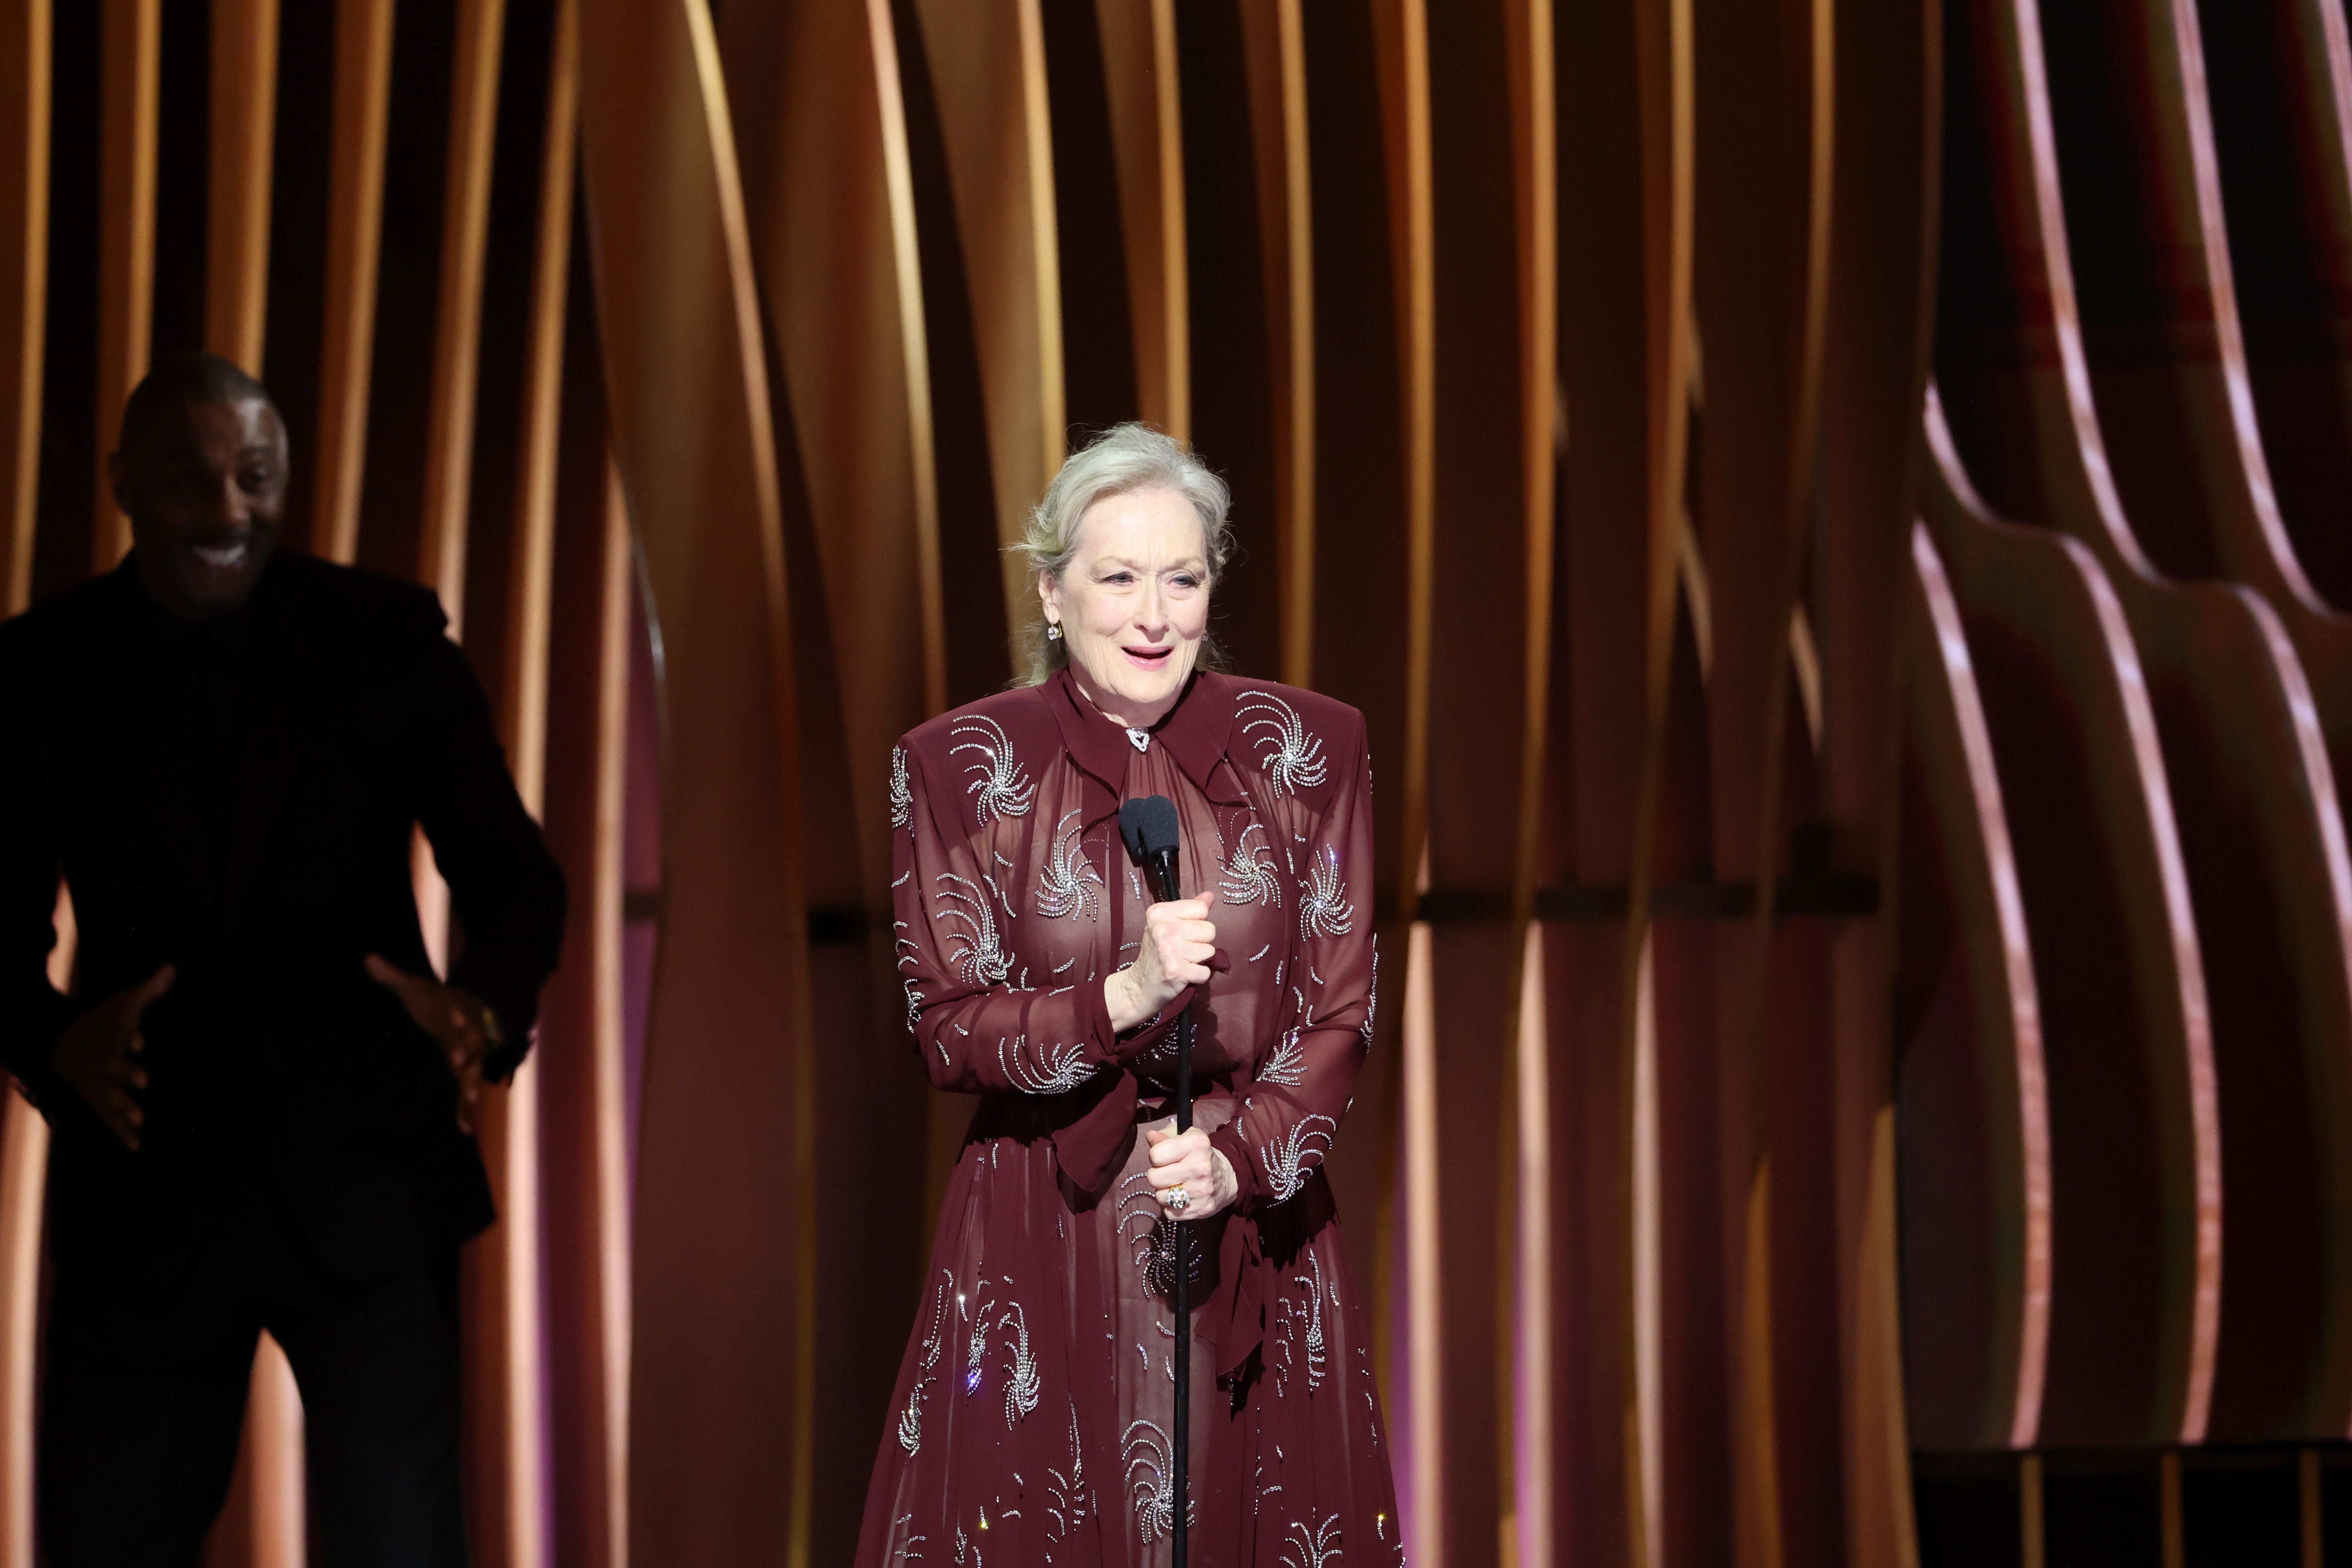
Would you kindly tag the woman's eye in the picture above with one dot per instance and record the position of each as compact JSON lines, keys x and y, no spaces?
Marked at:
{"x":1119,"y":579}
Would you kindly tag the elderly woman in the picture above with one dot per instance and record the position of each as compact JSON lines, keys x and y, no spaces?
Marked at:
{"x":1033,"y":1409}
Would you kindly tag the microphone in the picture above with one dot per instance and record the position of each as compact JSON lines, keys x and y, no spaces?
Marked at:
{"x":1149,"y":825}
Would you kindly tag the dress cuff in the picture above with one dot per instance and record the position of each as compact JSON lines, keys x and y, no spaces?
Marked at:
{"x":1228,"y":1141}
{"x":1140,"y":1041}
{"x":1094,"y":1025}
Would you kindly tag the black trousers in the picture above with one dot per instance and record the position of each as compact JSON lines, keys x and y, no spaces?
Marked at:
{"x":144,"y":1404}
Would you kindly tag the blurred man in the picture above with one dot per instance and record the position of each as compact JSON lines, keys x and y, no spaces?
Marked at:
{"x":261,"y":1098}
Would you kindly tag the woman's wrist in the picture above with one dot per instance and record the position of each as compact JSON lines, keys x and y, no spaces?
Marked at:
{"x":1123,"y":999}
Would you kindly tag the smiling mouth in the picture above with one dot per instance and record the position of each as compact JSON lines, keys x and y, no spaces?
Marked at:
{"x":222,"y":556}
{"x":1150,"y":658}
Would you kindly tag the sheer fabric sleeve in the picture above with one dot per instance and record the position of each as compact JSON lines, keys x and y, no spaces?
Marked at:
{"x":978,"y":1024}
{"x":1304,"y":1086}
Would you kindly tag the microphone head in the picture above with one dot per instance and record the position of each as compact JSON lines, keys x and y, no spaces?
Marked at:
{"x":1149,"y":825}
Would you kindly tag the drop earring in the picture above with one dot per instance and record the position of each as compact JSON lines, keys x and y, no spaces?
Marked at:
{"x":1052,"y":631}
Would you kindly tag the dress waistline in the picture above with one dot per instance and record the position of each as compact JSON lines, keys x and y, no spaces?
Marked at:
{"x":1092,"y":1128}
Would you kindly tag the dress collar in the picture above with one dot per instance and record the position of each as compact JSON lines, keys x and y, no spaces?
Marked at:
{"x":1194,"y":732}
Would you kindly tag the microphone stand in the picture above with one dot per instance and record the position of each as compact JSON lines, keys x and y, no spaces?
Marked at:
{"x":1163,"y":867}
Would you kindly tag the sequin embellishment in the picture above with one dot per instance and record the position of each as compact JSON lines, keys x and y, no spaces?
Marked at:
{"x":1323,"y":906}
{"x":1314,"y":1348}
{"x":1250,"y":877}
{"x":1152,"y":1481}
{"x":1066,"y":882}
{"x":1059,"y":1069}
{"x":1317,"y":1548}
{"x":1286,"y":1167}
{"x":1021,"y":1386}
{"x":980,"y":961}
{"x":910,"y":1420}
{"x":1066,"y":1495}
{"x":902,"y":795}
{"x":1288,"y":1065}
{"x":1002,"y":789}
{"x":1290,"y":753}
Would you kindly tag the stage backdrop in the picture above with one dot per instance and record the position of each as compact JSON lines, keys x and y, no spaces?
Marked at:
{"x":1837,"y":515}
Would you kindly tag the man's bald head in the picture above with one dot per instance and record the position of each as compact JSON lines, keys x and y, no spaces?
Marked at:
{"x":201,"y":470}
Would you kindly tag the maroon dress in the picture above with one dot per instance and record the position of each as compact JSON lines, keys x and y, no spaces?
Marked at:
{"x":1032,"y":1419}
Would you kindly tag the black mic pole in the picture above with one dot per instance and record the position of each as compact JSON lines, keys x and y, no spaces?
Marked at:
{"x":1150,"y":828}
{"x":1163,"y":872}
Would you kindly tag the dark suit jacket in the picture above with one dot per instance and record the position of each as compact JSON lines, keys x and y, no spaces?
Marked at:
{"x":238,"y":798}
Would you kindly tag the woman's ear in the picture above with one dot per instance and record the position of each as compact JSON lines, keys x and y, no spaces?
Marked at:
{"x":1049,"y":595}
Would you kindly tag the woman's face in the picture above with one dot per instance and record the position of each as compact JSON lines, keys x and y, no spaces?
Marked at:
{"x":1133,"y":603}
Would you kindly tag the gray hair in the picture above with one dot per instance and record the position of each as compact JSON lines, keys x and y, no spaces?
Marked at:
{"x":1123,"y":460}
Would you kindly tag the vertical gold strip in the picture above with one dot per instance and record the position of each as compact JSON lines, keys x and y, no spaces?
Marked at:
{"x":1275,"y":44}
{"x":1299,"y":291}
{"x":900,"y":184}
{"x":24,"y":94}
{"x":524,"y":709}
{"x":457,"y":330}
{"x":1139,"y":69}
{"x":355,"y":230}
{"x":1531,"y":1411}
{"x":1423,"y":1483}
{"x":1402,"y":31}
{"x":502,"y":1345}
{"x":1045,"y":247}
{"x":534,"y":540}
{"x":1174,"y":267}
{"x":131,"y":84}
{"x":237,"y":236}
{"x":25,"y":90}
{"x":606,"y":887}
{"x":24,"y":1177}
{"x":1667,"y":90}
{"x":987,"y":60}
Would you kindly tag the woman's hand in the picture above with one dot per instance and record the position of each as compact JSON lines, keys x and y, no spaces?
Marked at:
{"x":1185,"y":1160}
{"x":1178,"y":942}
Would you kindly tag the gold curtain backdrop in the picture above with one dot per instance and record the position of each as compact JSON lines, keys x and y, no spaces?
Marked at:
{"x":1839,"y":517}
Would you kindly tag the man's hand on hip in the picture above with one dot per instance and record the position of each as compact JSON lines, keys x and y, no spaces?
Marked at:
{"x":96,"y":1055}
{"x":464,"y":1029}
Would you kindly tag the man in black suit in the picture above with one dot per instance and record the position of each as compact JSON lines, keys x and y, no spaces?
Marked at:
{"x":260,"y":1096}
